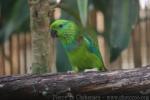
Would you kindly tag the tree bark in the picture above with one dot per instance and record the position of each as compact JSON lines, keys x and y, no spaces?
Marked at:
{"x":53,"y":86}
{"x":42,"y":46}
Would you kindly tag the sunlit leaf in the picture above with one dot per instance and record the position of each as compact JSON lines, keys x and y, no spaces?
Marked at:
{"x":83,"y":11}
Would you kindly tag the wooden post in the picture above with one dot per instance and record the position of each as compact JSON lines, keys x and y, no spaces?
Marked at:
{"x":136,"y":39}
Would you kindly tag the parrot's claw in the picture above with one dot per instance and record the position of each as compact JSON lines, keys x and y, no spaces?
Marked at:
{"x":91,"y":70}
{"x":71,"y":72}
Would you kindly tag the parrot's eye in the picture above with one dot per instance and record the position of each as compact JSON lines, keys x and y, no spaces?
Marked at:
{"x":60,"y":26}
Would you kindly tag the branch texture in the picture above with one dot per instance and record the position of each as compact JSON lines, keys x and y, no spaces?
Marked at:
{"x":46,"y":86}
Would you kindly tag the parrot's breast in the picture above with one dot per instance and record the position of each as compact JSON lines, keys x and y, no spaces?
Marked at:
{"x":82,"y":58}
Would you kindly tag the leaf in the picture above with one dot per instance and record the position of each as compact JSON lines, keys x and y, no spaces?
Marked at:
{"x":83,"y":11}
{"x":101,"y":4}
{"x":120,"y":17}
{"x":62,"y":61}
{"x":69,"y":10}
{"x":15,"y":14}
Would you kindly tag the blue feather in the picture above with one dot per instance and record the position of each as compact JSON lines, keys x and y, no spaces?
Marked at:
{"x":91,"y":46}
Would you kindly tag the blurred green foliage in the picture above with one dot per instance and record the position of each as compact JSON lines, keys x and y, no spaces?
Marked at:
{"x":14,"y":17}
{"x":120,"y":17}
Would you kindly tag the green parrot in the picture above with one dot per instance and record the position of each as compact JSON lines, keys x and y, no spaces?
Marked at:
{"x":83,"y":52}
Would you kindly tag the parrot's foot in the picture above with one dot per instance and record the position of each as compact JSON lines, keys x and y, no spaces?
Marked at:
{"x":91,"y":70}
{"x":71,"y":72}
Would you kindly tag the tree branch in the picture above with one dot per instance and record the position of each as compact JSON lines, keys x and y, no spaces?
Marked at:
{"x":46,"y":86}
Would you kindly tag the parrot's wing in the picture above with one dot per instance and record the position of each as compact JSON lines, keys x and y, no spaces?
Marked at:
{"x":92,"y":44}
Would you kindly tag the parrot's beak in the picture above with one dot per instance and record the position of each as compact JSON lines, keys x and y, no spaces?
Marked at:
{"x":53,"y":33}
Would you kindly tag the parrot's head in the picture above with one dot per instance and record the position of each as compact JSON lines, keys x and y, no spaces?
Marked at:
{"x":66,"y":31}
